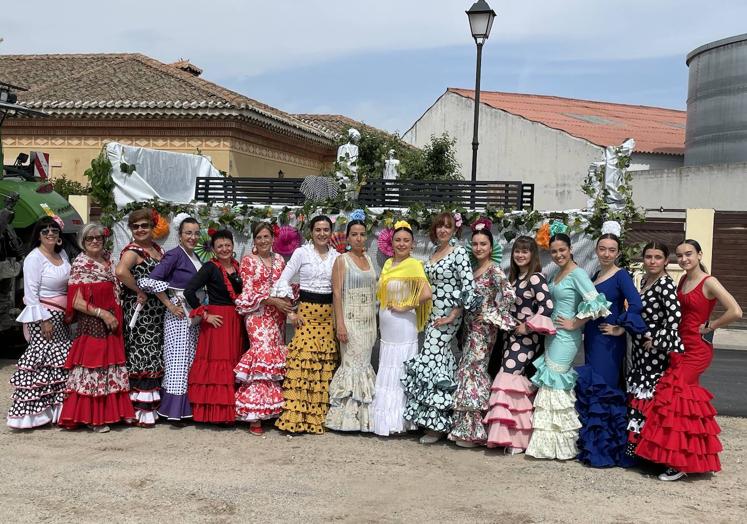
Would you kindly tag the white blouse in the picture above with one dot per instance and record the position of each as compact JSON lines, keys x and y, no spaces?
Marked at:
{"x":315,"y":274}
{"x":42,"y":279}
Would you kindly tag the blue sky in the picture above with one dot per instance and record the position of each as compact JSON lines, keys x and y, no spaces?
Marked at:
{"x":386,"y":61}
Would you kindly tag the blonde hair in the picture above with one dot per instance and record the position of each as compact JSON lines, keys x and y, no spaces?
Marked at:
{"x":87,"y":229}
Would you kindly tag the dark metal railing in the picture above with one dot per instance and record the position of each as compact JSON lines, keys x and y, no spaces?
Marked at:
{"x":376,"y":193}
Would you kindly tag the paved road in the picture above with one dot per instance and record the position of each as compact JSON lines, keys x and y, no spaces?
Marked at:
{"x":726,"y":378}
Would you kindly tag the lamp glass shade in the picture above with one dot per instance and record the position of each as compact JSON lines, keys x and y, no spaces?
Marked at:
{"x":481,"y":18}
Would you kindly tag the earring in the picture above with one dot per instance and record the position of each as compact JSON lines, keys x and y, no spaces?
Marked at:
{"x":347,"y":247}
{"x":59,"y":242}
{"x":254,"y":250}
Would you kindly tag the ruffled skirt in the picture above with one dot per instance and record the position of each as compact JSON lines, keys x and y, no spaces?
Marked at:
{"x":98,"y":386}
{"x":680,"y":430}
{"x":40,"y":376}
{"x":261,"y":370}
{"x":509,"y":419}
{"x":555,"y":419}
{"x":211,"y":388}
{"x":602,"y":411}
{"x":312,"y":356}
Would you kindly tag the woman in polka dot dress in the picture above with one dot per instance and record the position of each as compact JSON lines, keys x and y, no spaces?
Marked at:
{"x":651,"y":349}
{"x":312,"y":354}
{"x":143,"y":341}
{"x":510,"y":417}
{"x":429,"y":377}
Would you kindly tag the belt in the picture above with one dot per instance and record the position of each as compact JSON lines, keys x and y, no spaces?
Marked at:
{"x":315,"y":298}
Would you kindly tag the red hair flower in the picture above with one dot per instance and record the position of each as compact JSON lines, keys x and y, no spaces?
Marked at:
{"x":212,"y":231}
{"x":107,"y":232}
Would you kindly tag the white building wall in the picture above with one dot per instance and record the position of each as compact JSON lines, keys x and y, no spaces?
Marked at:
{"x":719,"y":186}
{"x":512,"y":148}
{"x":652,"y":161}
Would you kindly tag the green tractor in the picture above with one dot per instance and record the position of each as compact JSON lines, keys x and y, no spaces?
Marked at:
{"x":24,"y":198}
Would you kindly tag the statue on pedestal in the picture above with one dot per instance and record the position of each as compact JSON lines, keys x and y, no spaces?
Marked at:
{"x":347,"y":158}
{"x":390,"y":167}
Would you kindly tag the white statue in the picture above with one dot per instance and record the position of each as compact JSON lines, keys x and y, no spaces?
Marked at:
{"x":390,"y":167}
{"x":347,"y":156}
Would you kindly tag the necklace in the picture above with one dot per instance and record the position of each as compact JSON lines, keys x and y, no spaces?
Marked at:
{"x":226,"y":281}
{"x":270,"y":268}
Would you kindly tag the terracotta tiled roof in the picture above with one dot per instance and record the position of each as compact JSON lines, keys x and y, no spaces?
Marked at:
{"x":655,"y":129}
{"x":336,"y":124}
{"x":126,"y":85}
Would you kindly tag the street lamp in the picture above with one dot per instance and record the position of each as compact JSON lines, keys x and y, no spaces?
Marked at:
{"x":481,"y":18}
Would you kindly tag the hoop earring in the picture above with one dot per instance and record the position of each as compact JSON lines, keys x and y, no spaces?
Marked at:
{"x":59,"y":242}
{"x":254,"y":250}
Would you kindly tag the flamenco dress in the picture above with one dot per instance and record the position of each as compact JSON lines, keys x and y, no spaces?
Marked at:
{"x":211,"y":382}
{"x":556,"y":422}
{"x":662,"y":315}
{"x":261,"y":369}
{"x":600,"y":398}
{"x":680,"y":430}
{"x":98,"y":389}
{"x":352,"y":388}
{"x":509,"y":420}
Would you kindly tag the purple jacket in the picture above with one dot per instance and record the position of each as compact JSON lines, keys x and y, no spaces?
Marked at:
{"x":175,"y":268}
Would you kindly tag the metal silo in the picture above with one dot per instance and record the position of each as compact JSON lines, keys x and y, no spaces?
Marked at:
{"x":717,"y":103}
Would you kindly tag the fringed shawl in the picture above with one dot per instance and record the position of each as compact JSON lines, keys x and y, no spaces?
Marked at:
{"x":407,"y":281}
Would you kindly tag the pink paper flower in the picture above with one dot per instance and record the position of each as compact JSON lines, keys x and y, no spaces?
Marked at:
{"x":286,"y":241}
{"x":385,"y":242}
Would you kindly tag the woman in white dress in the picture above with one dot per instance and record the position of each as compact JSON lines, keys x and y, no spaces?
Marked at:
{"x":405,"y":304}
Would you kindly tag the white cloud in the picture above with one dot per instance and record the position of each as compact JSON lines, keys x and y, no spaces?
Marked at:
{"x":246,"y":38}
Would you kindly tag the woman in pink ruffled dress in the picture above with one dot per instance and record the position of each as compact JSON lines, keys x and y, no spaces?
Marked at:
{"x":510,"y":417}
{"x":262,"y":368}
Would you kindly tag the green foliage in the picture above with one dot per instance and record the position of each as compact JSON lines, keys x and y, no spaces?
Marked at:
{"x":594,"y":187}
{"x":102,"y":184}
{"x":66,"y":187}
{"x":437,"y":161}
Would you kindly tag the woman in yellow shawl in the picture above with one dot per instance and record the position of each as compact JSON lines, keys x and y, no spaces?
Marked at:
{"x":405,"y":303}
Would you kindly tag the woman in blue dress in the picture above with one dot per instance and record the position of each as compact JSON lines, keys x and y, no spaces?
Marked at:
{"x":576,"y":301}
{"x":601,"y":400}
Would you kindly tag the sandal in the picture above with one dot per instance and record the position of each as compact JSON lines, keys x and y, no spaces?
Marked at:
{"x":256,"y":430}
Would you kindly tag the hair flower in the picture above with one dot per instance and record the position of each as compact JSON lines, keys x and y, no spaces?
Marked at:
{"x":358,"y":214}
{"x":481,"y":224}
{"x":107,"y":232}
{"x":557,"y":227}
{"x":402,"y":223}
{"x":543,"y":236}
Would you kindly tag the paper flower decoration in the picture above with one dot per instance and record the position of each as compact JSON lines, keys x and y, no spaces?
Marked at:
{"x":402,"y":223}
{"x":286,"y":241}
{"x":204,"y":247}
{"x":160,"y":227}
{"x":481,"y":224}
{"x":385,"y":240}
{"x":358,"y":214}
{"x":338,"y":241}
{"x":543,"y":236}
{"x":557,"y":227}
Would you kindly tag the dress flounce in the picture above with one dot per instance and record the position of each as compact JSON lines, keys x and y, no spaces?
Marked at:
{"x":602,"y":412}
{"x":350,"y":396}
{"x":680,"y":430}
{"x":509,"y":419}
{"x":550,"y":375}
{"x":556,"y":425}
{"x":594,"y":308}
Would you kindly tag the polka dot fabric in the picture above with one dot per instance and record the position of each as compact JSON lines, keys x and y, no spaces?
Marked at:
{"x":312,"y":358}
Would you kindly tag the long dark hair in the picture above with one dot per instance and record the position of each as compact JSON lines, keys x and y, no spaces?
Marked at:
{"x":44,"y":223}
{"x":562,"y":237}
{"x":695,"y":244}
{"x":319,"y":218}
{"x":528,"y":243}
{"x":610,"y":236}
{"x":188,"y":220}
{"x":485,"y":232}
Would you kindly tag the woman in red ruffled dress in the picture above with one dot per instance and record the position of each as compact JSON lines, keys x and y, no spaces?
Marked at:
{"x":211,"y":385}
{"x":97,"y":389}
{"x":261,"y":369}
{"x":680,"y":431}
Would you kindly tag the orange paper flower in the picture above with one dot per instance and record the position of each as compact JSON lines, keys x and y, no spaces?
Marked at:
{"x":161,"y":229}
{"x":543,"y":236}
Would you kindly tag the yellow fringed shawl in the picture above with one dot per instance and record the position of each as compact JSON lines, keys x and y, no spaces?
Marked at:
{"x":408,"y":278}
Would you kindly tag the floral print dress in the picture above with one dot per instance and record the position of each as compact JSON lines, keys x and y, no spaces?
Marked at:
{"x":429,"y":377}
{"x":481,"y":329}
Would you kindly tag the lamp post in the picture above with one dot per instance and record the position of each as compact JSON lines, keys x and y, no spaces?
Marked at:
{"x":481,"y":18}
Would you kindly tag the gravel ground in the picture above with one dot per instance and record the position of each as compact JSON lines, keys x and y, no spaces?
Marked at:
{"x":204,"y":474}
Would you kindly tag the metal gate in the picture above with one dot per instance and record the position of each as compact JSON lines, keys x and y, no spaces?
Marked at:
{"x":729,"y":263}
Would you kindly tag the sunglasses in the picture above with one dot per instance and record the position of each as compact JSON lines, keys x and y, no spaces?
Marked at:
{"x":144,"y":225}
{"x":94,"y":238}
{"x":50,"y":231}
